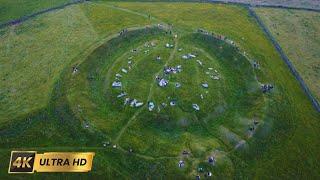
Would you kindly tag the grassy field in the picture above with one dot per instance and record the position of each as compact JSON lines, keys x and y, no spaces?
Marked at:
{"x":297,"y":33}
{"x":51,"y":112}
{"x":24,"y":55}
{"x":289,"y":3}
{"x":15,"y":9}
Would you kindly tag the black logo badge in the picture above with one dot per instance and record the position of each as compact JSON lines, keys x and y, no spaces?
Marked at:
{"x":22,"y":161}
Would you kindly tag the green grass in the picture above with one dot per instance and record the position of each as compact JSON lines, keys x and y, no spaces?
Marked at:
{"x":297,"y":33}
{"x":31,"y":64}
{"x":14,"y":9}
{"x":284,"y":145}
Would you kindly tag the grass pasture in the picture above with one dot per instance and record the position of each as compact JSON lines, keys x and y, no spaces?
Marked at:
{"x":297,"y":33}
{"x":67,"y":30}
{"x":81,"y":112}
{"x":10,"y":10}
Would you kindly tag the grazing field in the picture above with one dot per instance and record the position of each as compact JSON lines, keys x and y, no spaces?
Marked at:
{"x":63,"y":94}
{"x":314,"y":4}
{"x":298,"y":32}
{"x":31,"y":64}
{"x":15,"y":9}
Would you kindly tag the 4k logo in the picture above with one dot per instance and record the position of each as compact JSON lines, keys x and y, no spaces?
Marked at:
{"x":22,"y":161}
